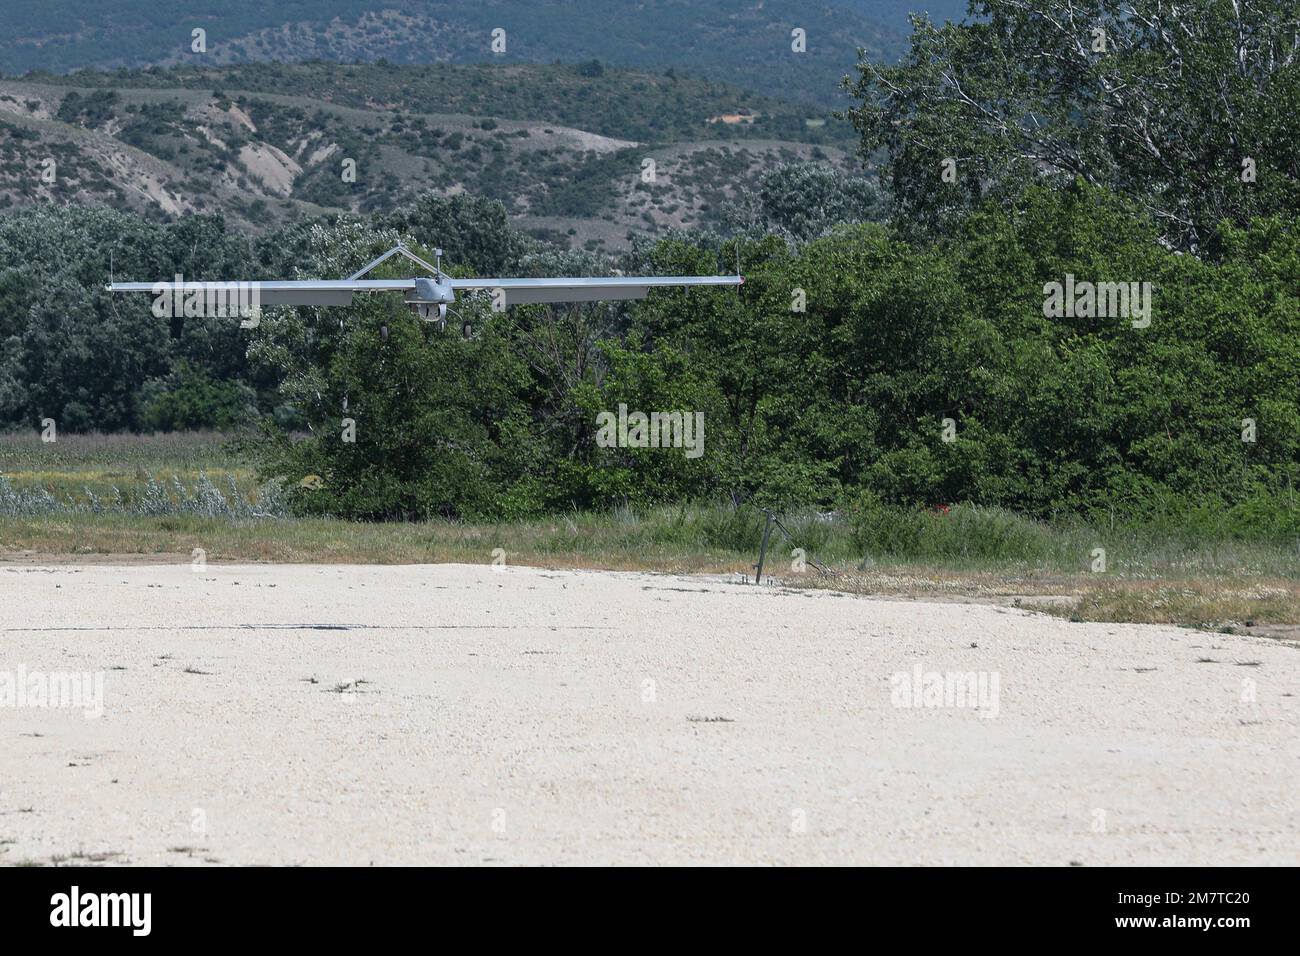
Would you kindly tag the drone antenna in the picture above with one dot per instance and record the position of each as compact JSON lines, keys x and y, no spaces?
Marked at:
{"x":437,"y":260}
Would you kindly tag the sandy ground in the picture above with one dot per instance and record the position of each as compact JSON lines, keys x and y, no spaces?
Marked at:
{"x":531,"y":716}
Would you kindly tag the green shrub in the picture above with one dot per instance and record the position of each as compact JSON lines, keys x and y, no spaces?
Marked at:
{"x":189,"y":400}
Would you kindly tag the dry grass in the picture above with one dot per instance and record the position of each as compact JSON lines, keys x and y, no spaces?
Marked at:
{"x":557,"y":543}
{"x":1248,"y":604}
{"x":1200,"y":603}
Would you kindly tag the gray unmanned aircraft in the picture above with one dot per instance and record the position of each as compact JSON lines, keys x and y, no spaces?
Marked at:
{"x":428,"y":296}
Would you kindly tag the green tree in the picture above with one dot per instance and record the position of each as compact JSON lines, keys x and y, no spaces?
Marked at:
{"x":189,"y":398}
{"x":474,"y":232}
{"x":403,"y":420}
{"x":804,"y":201}
{"x":1193,"y":109}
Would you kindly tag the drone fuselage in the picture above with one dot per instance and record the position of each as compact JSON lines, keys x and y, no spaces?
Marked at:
{"x":431,"y":296}
{"x":433,"y":290}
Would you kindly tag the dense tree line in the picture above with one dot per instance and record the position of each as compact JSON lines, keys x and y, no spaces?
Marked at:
{"x":920,"y":374}
{"x":96,"y":362}
{"x":862,"y":362}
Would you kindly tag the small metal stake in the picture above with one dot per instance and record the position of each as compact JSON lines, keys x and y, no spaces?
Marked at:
{"x":762,"y":551}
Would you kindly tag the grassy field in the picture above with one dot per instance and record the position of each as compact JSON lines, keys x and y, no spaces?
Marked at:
{"x":173,"y":474}
{"x":152,"y":498}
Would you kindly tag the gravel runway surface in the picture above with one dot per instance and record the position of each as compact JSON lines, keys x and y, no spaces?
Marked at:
{"x":465,"y":715}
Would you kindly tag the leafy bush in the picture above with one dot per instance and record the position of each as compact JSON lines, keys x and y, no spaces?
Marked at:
{"x":189,"y":399}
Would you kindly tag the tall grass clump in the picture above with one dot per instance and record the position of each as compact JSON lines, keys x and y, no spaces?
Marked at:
{"x":25,"y":502}
{"x":154,"y":498}
{"x":964,"y":533}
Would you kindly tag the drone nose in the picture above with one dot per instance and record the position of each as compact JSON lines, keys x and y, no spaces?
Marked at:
{"x":428,"y":290}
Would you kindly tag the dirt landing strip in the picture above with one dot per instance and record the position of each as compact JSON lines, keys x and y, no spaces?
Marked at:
{"x":454,"y":714}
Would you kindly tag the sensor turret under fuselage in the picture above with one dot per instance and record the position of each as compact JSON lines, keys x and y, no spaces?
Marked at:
{"x":430,"y":299}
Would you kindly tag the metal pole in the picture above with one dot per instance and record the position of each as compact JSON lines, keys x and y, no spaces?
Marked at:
{"x":762,"y":551}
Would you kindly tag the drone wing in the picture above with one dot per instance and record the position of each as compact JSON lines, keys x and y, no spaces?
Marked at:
{"x":328,"y":292}
{"x":296,"y":292}
{"x":524,"y":291}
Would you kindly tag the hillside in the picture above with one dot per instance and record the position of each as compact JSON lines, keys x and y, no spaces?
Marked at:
{"x":563,"y":148}
{"x":894,"y":13}
{"x":746,"y":42}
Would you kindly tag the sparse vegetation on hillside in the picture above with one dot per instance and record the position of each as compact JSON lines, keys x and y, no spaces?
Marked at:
{"x":622,"y":104}
{"x":269,"y":143}
{"x":733,"y":40}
